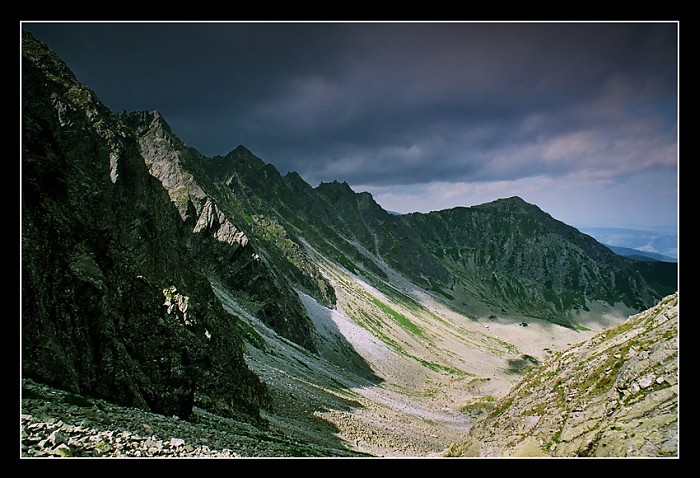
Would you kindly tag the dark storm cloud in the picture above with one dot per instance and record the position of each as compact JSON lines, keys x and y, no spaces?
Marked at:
{"x":484,"y":102}
{"x":380,"y":104}
{"x":185,"y":67}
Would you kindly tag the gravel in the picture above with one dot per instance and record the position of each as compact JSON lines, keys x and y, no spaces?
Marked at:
{"x":55,"y":423}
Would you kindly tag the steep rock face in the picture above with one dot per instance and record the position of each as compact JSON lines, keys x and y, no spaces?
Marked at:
{"x":113,"y":304}
{"x":217,"y":218}
{"x":613,"y":395}
{"x":348,"y":228}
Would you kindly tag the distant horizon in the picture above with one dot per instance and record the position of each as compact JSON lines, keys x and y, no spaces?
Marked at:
{"x":579,"y":118}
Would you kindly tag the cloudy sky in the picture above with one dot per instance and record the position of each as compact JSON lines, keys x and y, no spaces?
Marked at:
{"x":578,"y":118}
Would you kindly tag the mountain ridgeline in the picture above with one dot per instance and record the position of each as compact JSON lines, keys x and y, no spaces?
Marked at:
{"x":505,"y":257}
{"x":125,"y":229}
{"x":115,"y":303}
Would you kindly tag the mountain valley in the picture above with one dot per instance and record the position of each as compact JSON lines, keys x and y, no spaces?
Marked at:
{"x":236,"y":311}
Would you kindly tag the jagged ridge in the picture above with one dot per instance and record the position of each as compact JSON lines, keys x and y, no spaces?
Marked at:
{"x":113,"y":303}
{"x":243,"y":251}
{"x":506,"y":257}
{"x":121,"y":205}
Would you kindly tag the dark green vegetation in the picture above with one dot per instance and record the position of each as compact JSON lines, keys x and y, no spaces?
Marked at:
{"x":507,"y":256}
{"x":480,"y":405}
{"x":521,"y":365}
{"x":516,"y":258}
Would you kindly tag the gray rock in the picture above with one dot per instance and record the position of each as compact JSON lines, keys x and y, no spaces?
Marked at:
{"x":101,"y":239}
{"x":62,"y":450}
{"x":177,"y":442}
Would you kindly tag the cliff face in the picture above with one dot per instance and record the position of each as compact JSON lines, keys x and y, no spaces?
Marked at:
{"x":222,"y":240}
{"x":613,"y":395}
{"x":114,"y":305}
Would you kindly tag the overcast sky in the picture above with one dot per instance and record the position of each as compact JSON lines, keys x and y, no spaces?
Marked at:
{"x":580,"y":119}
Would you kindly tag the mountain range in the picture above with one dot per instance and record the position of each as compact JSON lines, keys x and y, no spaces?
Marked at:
{"x":663,"y":240}
{"x":158,"y":278}
{"x":640,"y":255}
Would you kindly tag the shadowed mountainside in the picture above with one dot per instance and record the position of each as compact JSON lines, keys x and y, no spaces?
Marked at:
{"x":506,"y":257}
{"x":157,"y":278}
{"x":114,"y":305}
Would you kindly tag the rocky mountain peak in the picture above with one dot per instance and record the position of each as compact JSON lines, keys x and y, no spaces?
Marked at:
{"x":41,"y":57}
{"x":240,"y":160}
{"x":241,"y":154}
{"x":156,"y":278}
{"x":340,"y":187}
{"x":513,"y":204}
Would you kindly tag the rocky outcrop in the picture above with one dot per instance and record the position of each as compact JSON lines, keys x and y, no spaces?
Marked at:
{"x":114,"y":304}
{"x":235,"y":252}
{"x":613,"y":395}
{"x":56,"y":423}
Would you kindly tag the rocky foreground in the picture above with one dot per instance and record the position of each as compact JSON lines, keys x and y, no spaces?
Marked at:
{"x":54,"y":423}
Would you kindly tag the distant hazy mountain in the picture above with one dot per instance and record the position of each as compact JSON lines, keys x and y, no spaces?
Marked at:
{"x":640,"y":255}
{"x":658,"y":242}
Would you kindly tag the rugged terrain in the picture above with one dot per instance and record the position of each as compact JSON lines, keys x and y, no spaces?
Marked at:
{"x":506,"y":257}
{"x":114,"y":304}
{"x":239,"y":312}
{"x":614,"y":395}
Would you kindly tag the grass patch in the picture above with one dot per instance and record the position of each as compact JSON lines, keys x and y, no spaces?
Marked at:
{"x":68,"y":398}
{"x":28,"y":394}
{"x":601,"y":379}
{"x":250,"y":335}
{"x":480,"y":405}
{"x":347,"y":263}
{"x":436,"y":367}
{"x":556,"y":438}
{"x":435,"y":288}
{"x":398,"y":318}
{"x":77,"y":400}
{"x":501,"y":406}
{"x":396,"y":295}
